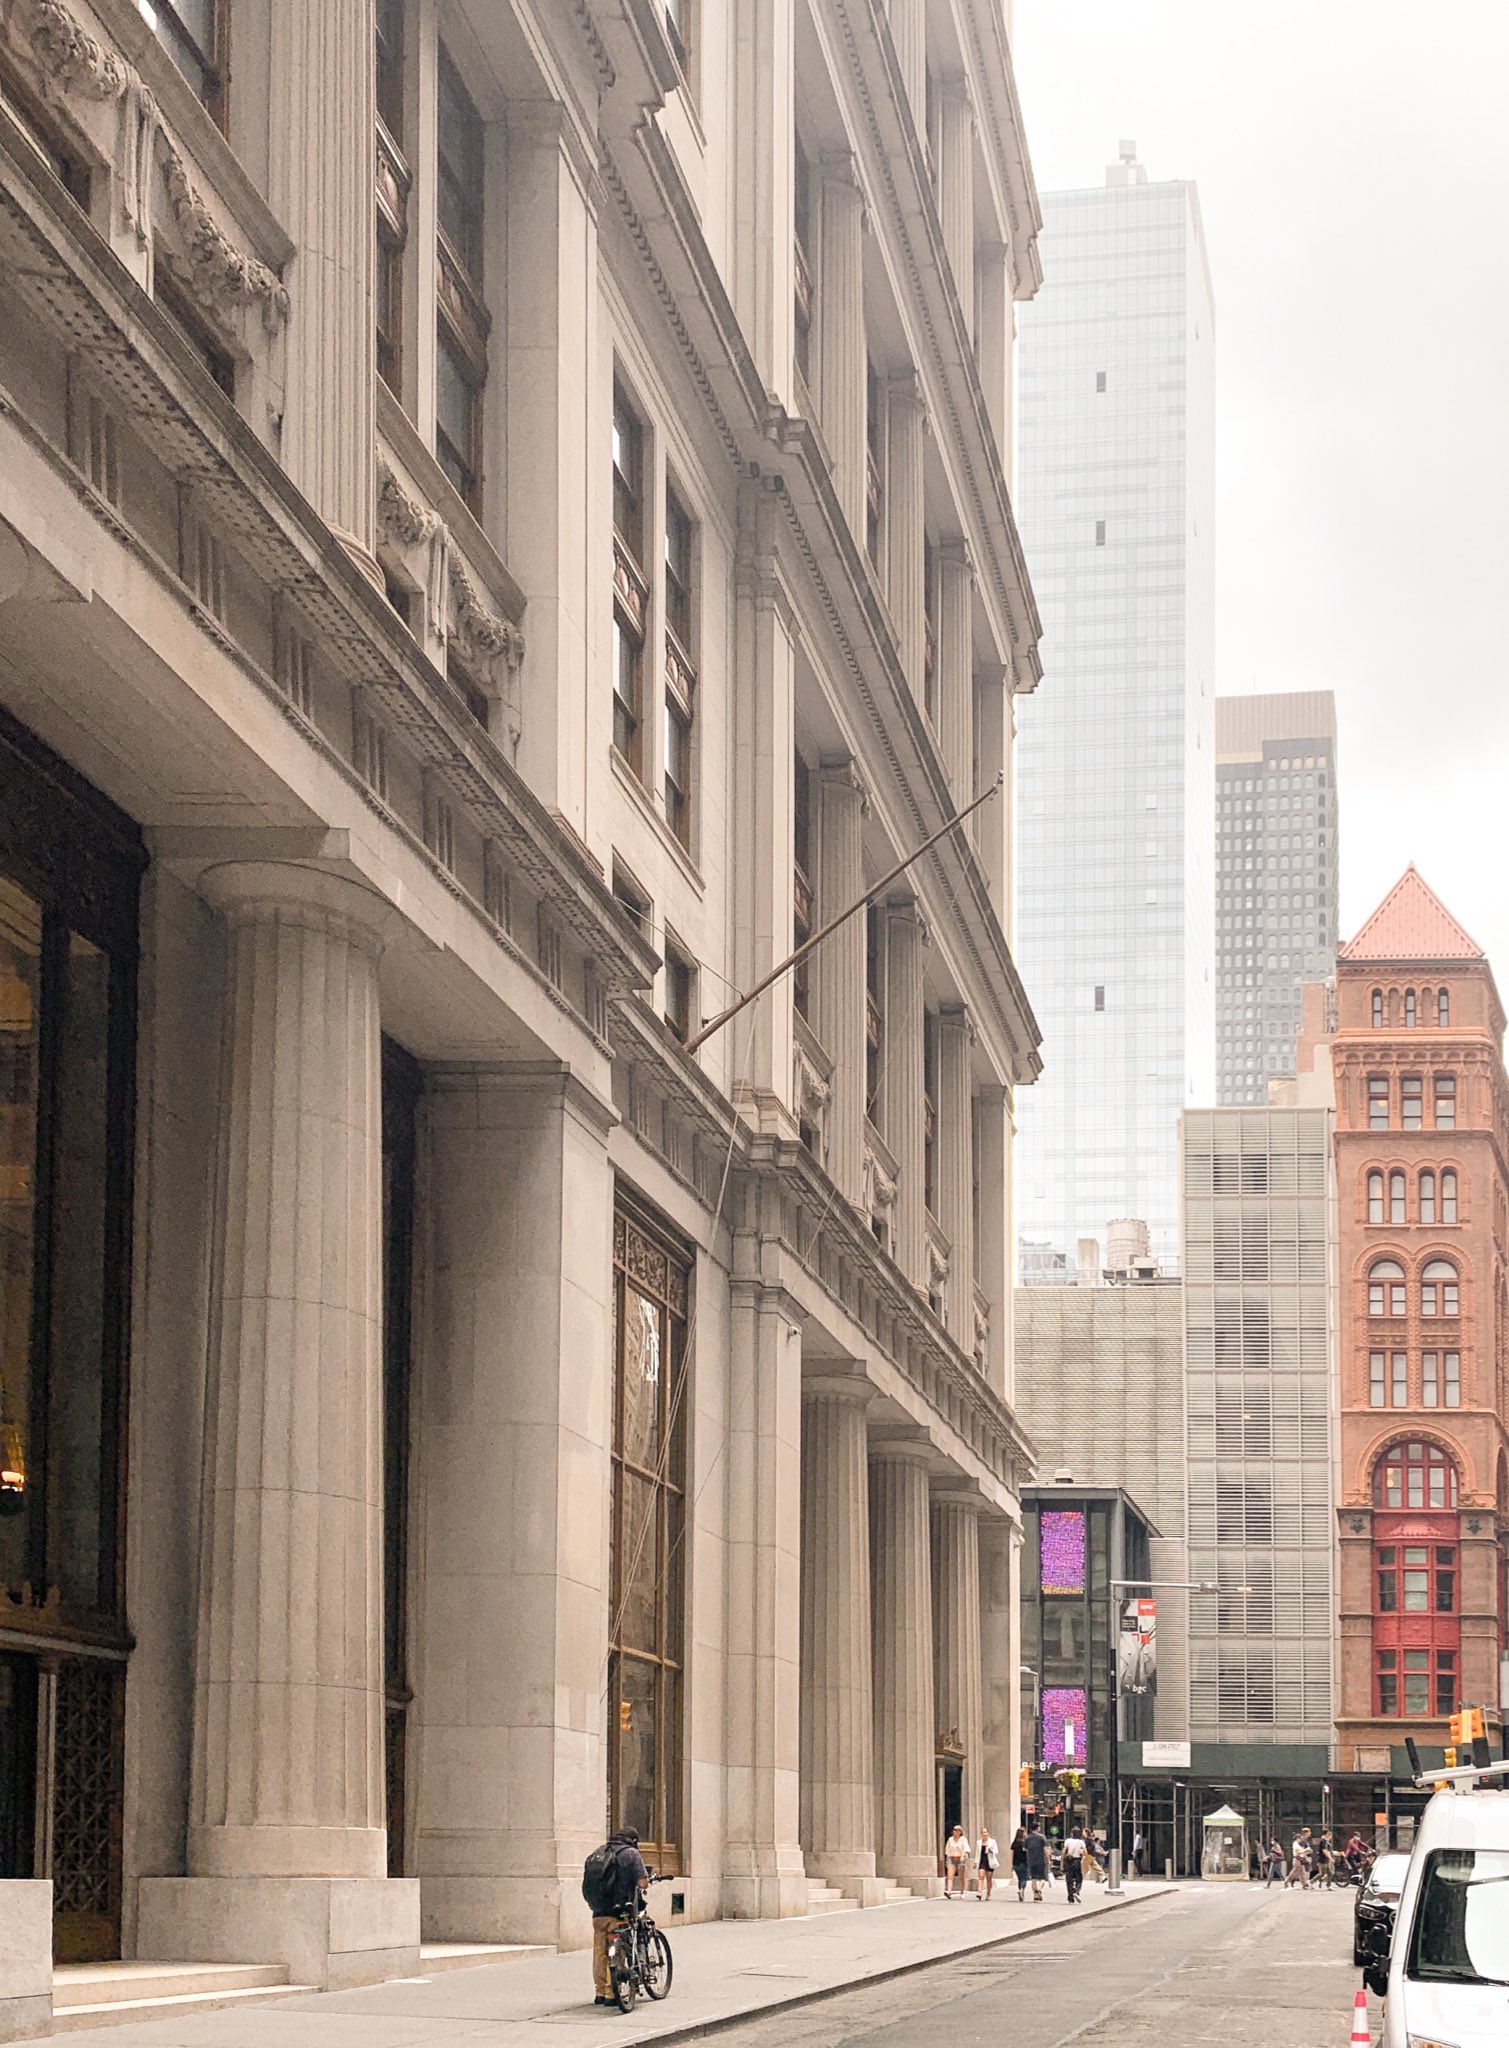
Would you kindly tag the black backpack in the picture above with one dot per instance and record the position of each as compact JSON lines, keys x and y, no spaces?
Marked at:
{"x":600,"y":1878}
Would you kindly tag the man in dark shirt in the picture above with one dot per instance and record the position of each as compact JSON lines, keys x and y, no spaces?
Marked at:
{"x":629,"y":1876}
{"x":1037,"y":1860}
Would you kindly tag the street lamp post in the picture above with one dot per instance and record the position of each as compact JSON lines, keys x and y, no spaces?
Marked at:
{"x":1113,"y":1587}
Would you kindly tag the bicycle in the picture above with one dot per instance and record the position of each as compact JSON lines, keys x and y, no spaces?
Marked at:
{"x":639,"y":1956}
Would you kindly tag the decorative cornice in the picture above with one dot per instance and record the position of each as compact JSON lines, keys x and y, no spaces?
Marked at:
{"x":456,"y":607}
{"x":76,"y":62}
{"x":221,"y":273}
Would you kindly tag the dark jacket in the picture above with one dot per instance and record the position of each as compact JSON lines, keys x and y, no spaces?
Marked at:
{"x":1037,"y":1856}
{"x":629,"y":1867}
{"x":1019,"y":1852}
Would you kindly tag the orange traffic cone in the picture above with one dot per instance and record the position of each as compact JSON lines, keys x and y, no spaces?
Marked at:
{"x":1362,"y":2033}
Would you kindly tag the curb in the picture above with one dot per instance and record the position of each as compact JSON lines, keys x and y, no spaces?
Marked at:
{"x":696,"y":2030}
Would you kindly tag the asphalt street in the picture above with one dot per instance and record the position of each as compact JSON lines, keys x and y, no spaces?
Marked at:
{"x":1233,"y":1965}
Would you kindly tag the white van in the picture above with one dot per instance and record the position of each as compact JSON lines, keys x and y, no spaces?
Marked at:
{"x":1448,"y":1967}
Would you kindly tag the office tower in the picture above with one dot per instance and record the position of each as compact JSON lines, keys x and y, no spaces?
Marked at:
{"x":1276,"y":879}
{"x":1116,"y":758}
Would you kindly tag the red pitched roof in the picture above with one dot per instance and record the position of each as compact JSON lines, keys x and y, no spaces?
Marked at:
{"x":1412,"y":923}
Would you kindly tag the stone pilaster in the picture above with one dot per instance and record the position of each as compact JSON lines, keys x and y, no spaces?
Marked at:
{"x":904,"y":522}
{"x":322,"y":111}
{"x":838,"y":969}
{"x":956,"y":1169}
{"x":902,"y":1112}
{"x":994,"y":326}
{"x":287,"y":1844}
{"x":956,"y":668}
{"x":957,"y":1694}
{"x":760,"y":33}
{"x":838,"y":1775}
{"x":993,"y":1247}
{"x":956,"y":185}
{"x":841,"y":332}
{"x":763,"y":1874}
{"x":906,"y":1797}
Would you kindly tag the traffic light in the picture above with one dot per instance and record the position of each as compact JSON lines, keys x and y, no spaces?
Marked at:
{"x":1024,"y":1782}
{"x":1458,"y":1731}
{"x":1474,"y":1726}
{"x":1450,"y":1757}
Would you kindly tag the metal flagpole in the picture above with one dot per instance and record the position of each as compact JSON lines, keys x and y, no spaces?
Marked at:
{"x":794,"y":959}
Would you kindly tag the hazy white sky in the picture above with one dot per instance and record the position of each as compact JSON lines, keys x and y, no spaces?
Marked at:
{"x":1353,"y":167}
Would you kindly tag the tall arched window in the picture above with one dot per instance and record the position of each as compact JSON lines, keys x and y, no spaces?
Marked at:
{"x":1396,"y":1197}
{"x":1414,"y":1475}
{"x":1375,"y":1197}
{"x":1416,"y":1629}
{"x":1448,"y":1195}
{"x":1409,"y":1009}
{"x":1438,"y":1289}
{"x":1443,"y":1008}
{"x":1427,"y":1196}
{"x":1377,"y":1009}
{"x":1386,"y":1288}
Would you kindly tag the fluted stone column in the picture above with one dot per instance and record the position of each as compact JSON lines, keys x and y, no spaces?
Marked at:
{"x":841,"y":332}
{"x":1000,"y":1674}
{"x":909,"y":34}
{"x":994,"y":1245}
{"x":957,"y":1696}
{"x":322,"y":110}
{"x":763,"y":1873}
{"x":904,"y":523}
{"x":956,"y":667}
{"x":902,"y":1120}
{"x":994,"y":326}
{"x":906,"y":1793}
{"x":838,"y":1776}
{"x":839,"y":969}
{"x":287,"y":1790}
{"x":956,"y":1169}
{"x":956,"y":185}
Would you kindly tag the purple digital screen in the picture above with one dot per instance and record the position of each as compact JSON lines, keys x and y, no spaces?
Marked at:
{"x":1063,"y":1709}
{"x":1063,"y":1550}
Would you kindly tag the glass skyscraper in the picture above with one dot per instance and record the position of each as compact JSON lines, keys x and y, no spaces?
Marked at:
{"x":1276,"y":879}
{"x":1116,"y":796}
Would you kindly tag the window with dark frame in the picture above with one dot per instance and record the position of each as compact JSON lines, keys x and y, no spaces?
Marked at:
{"x":801,"y":878}
{"x":195,"y":34}
{"x":393,"y":183}
{"x":802,"y":274}
{"x":680,"y":988}
{"x":1414,"y":1475}
{"x":680,"y":665}
{"x":461,"y":313}
{"x":874,"y":1015}
{"x":631,"y":593}
{"x":45,"y":135}
{"x":651,"y":1288}
{"x":930,"y":1111}
{"x":874,"y":461}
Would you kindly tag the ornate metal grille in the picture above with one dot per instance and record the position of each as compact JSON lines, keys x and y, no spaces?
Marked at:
{"x":87,"y":1793}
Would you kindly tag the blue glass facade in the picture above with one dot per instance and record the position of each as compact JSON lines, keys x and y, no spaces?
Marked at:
{"x":1116,"y":783}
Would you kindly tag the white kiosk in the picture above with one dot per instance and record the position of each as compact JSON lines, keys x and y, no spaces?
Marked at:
{"x":1224,"y":1850}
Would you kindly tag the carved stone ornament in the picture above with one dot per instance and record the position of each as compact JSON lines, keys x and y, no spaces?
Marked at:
{"x":811,"y":1090}
{"x":486,"y":638}
{"x":69,"y":61}
{"x":1357,"y":1524}
{"x":937,"y":1262}
{"x":879,"y":1186}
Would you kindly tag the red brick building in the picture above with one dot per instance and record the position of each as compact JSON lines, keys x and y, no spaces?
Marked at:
{"x":1422,"y":1135}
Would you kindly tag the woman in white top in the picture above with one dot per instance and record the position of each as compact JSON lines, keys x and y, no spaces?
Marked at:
{"x":955,"y":1863}
{"x":987,"y":1860}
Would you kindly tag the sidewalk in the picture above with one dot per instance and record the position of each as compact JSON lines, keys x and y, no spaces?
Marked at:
{"x":724,"y":1970}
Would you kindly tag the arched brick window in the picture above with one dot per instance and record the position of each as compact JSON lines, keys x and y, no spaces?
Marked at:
{"x":1439,"y":1292}
{"x":1375,"y":1197}
{"x":1416,"y":1561}
{"x":1409,"y":1009}
{"x":1377,"y":1009}
{"x":1443,"y":1008}
{"x":1427,"y":1196}
{"x":1386,"y":1288}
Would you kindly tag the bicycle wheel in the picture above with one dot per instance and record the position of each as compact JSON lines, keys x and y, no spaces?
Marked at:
{"x":621,"y":1963}
{"x":657,"y":1963}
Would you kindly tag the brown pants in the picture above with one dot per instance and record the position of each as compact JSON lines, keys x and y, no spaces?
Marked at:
{"x":603,"y":1925}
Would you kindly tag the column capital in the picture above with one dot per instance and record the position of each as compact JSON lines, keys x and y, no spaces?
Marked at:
{"x":899,"y":1446}
{"x":840,"y":773}
{"x":958,"y":1017}
{"x":852,"y":1389}
{"x":954,"y":1492}
{"x":277,"y":891}
{"x":956,"y":555}
{"x":954,"y":90}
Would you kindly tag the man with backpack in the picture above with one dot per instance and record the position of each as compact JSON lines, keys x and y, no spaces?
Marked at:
{"x":611,"y":1876}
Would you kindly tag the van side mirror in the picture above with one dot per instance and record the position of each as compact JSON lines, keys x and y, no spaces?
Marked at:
{"x":1375,"y":1976}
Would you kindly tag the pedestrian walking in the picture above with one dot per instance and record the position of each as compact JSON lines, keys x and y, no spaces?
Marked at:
{"x":1037,"y":1862}
{"x":987,"y":1860}
{"x":1139,"y":1851}
{"x":1019,"y":1863}
{"x":955,"y":1863}
{"x":1273,"y":1864}
{"x":1300,"y":1853}
{"x":1075,"y":1851}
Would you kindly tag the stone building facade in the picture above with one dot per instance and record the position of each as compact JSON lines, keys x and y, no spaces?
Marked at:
{"x":1422,"y":1129}
{"x":503,"y":531}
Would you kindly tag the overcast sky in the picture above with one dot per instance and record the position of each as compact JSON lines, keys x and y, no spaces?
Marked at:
{"x":1353,"y":168}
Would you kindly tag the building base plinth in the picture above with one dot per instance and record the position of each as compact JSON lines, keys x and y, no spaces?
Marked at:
{"x":25,"y":1957}
{"x":765,"y":1898}
{"x":922,"y":1884}
{"x":331,"y":1932}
